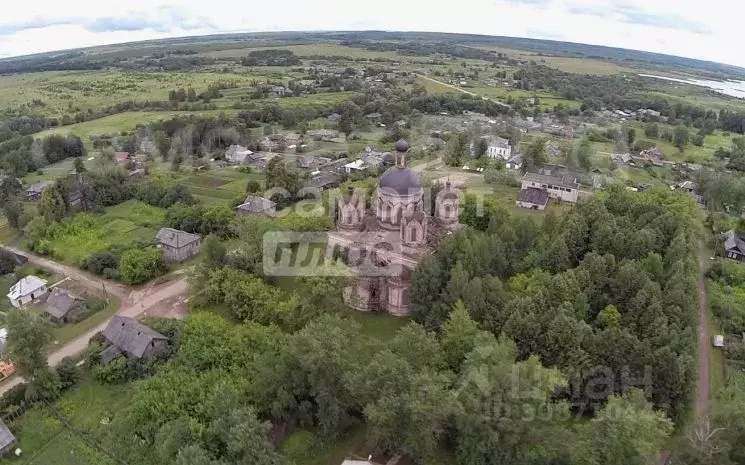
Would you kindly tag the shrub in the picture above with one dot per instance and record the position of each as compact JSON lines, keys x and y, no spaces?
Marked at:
{"x":501,"y":177}
{"x":140,"y":265}
{"x":253,"y":186}
{"x":68,"y":373}
{"x":114,"y":372}
{"x":99,"y":262}
{"x":7,"y":262}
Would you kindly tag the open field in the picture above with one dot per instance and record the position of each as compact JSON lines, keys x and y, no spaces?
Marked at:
{"x":584,"y":65}
{"x":215,"y":187}
{"x":122,"y":226}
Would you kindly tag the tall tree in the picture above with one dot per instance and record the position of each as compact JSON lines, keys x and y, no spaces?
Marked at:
{"x":627,"y":431}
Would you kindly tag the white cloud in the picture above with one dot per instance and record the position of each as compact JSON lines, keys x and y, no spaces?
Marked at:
{"x":707,"y":31}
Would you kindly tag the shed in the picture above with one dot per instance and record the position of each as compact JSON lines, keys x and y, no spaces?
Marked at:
{"x":254,"y":205}
{"x":6,"y":438}
{"x":62,"y":305}
{"x":532,"y":197}
{"x":719,"y":341}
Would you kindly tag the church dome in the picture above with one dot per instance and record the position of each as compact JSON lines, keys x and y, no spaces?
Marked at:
{"x":403,"y":181}
{"x":400,"y":179}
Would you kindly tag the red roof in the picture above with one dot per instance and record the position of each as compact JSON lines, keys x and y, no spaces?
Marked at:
{"x":122,"y":156}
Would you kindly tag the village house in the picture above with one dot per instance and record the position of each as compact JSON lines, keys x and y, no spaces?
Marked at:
{"x":334,"y":117}
{"x":734,"y":246}
{"x":620,"y":158}
{"x":323,"y":181}
{"x":355,"y":167}
{"x":322,"y":134}
{"x":27,"y":290}
{"x":306,"y":162}
{"x":515,"y":162}
{"x":7,"y":440}
{"x":254,"y":205}
{"x":33,"y":193}
{"x":373,"y":116}
{"x":178,"y":245}
{"x":237,"y":154}
{"x":563,"y":188}
{"x":533,"y":198}
{"x":131,"y":338}
{"x":63,"y":306}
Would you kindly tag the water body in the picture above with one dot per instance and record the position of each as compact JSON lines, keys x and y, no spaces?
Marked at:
{"x":731,"y":88}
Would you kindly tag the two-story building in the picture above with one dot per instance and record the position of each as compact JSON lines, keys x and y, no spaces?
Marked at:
{"x":563,"y":188}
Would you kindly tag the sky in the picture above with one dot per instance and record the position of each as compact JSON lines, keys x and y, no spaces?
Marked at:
{"x":708,"y":30}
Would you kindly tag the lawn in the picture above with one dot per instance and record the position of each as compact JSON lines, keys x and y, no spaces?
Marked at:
{"x":122,"y":226}
{"x":306,"y":448}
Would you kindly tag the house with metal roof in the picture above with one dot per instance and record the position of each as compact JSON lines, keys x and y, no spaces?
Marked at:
{"x":564,"y":188}
{"x":131,"y":338}
{"x":533,"y":198}
{"x":178,"y":245}
{"x":27,"y":290}
{"x":254,"y":205}
{"x":7,"y":440}
{"x":63,"y":306}
{"x":734,"y":246}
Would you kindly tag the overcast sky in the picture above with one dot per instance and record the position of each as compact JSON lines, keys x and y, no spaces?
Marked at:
{"x":709,"y":30}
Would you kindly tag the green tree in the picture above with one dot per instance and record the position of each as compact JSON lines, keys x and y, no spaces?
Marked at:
{"x":627,"y":431}
{"x":584,"y":154}
{"x":681,"y":137}
{"x":480,"y":147}
{"x":78,"y":165}
{"x":140,"y":265}
{"x":458,"y":336}
{"x":536,"y":153}
{"x":28,"y":337}
{"x":215,"y":252}
{"x":652,"y":130}
{"x":497,"y":423}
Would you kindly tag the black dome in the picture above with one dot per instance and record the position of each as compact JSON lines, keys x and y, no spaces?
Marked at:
{"x":403,"y":181}
{"x":402,"y":146}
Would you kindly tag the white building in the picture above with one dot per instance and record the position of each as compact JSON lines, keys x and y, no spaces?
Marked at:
{"x":565,"y":189}
{"x":497,"y":147}
{"x":237,"y":154}
{"x":515,"y":163}
{"x":27,"y":290}
{"x":355,"y":166}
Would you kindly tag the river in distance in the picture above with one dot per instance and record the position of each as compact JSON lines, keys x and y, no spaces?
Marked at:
{"x":732,"y":88}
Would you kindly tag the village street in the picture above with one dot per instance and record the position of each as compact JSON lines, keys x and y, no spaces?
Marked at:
{"x":162,"y":299}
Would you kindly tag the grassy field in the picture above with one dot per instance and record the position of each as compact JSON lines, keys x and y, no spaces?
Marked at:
{"x":215,"y":187}
{"x":123,"y":225}
{"x":584,"y":66}
{"x":59,"y":93}
{"x":127,"y":121}
{"x":46,"y":441}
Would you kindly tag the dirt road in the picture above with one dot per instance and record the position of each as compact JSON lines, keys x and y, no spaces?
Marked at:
{"x":703,"y":387}
{"x":95,"y":283}
{"x":139,"y":302}
{"x":460,"y":89}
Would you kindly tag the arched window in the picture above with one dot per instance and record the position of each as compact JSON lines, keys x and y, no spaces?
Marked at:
{"x":412,"y":234}
{"x":387,"y":213}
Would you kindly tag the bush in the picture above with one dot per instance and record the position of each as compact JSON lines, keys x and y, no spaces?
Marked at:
{"x":7,"y":262}
{"x":99,"y":262}
{"x":501,"y":177}
{"x":95,"y":347}
{"x":14,"y":398}
{"x":114,"y":372}
{"x":68,"y":373}
{"x":140,"y":265}
{"x":252,"y":187}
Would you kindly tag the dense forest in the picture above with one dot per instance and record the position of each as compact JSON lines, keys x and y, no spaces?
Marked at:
{"x":604,"y":291}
